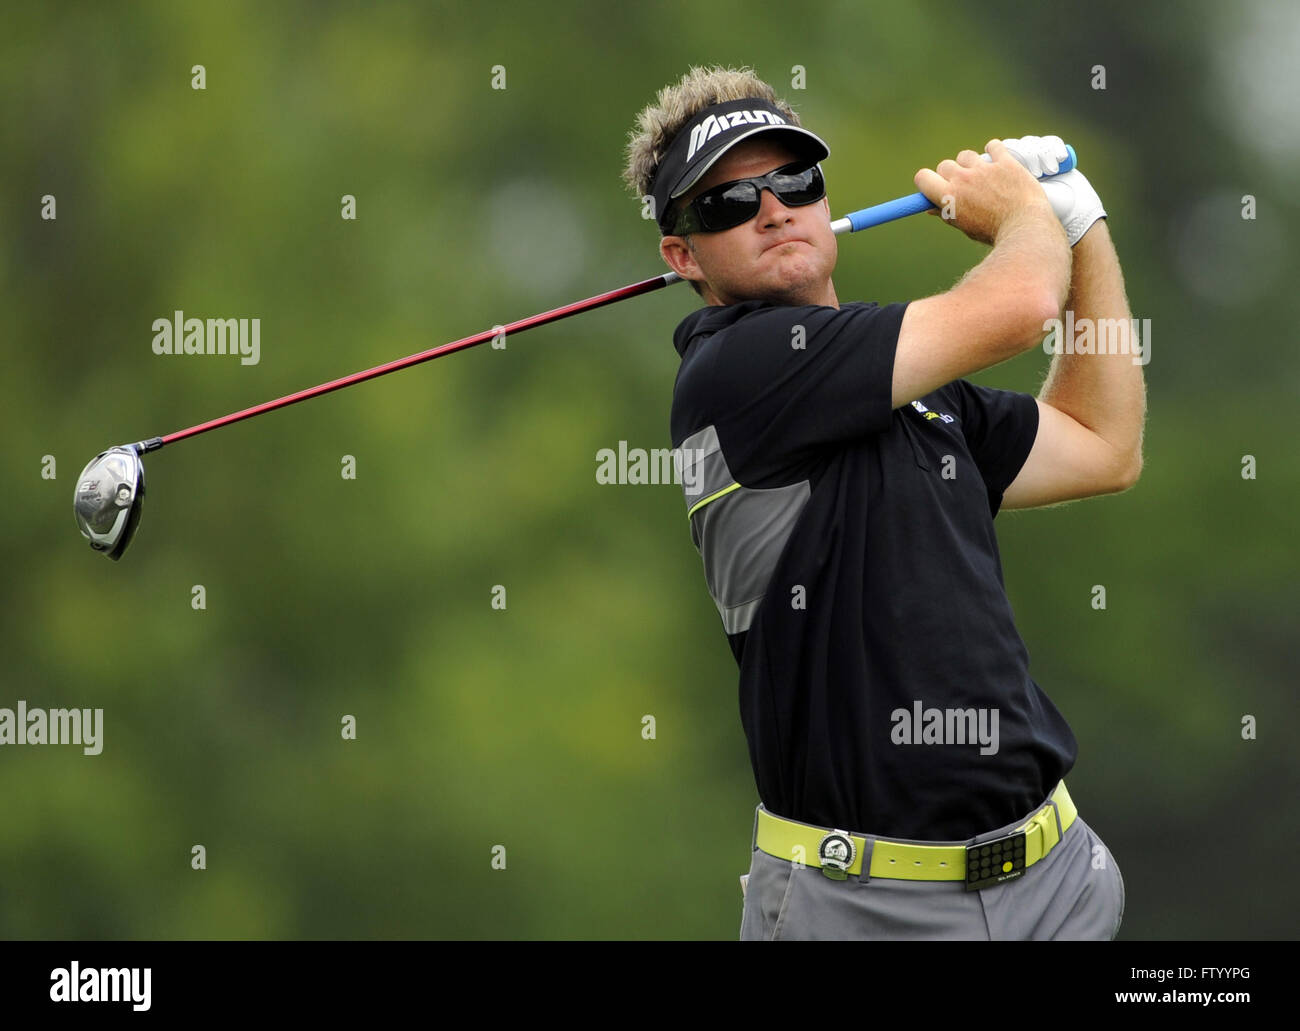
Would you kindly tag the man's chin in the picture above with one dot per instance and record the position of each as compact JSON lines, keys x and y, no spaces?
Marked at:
{"x":796,"y":289}
{"x":794,"y":284}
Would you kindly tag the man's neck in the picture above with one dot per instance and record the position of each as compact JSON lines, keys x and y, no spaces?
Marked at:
{"x":825,"y":297}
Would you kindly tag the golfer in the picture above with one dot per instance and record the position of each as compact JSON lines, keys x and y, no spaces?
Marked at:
{"x":841,"y":481}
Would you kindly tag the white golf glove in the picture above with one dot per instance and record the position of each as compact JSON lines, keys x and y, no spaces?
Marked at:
{"x":1072,"y":197}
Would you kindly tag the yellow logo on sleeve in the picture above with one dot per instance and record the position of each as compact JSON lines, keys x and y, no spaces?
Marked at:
{"x":929,"y":415}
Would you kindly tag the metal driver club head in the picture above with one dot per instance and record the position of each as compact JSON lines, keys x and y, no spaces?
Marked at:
{"x":109,"y":497}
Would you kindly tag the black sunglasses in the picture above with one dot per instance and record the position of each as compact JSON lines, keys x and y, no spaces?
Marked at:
{"x":731,"y":204}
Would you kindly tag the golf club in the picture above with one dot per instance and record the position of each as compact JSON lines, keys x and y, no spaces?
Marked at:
{"x":109,"y":495}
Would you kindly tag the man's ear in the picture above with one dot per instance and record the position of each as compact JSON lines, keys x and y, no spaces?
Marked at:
{"x":680,"y":258}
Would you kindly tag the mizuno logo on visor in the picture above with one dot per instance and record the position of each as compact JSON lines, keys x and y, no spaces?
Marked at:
{"x":715,"y":124}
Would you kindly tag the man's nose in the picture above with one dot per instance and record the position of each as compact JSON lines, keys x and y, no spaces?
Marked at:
{"x":772,"y":212}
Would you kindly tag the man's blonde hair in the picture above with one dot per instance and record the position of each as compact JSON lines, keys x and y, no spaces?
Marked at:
{"x":659,"y":123}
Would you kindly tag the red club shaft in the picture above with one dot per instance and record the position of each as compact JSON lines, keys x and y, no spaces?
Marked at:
{"x":554,"y":315}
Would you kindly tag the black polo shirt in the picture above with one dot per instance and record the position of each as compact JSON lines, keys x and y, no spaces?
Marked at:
{"x":849,"y":548}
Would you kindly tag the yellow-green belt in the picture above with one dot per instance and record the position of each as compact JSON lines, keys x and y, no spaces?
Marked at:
{"x":790,"y":840}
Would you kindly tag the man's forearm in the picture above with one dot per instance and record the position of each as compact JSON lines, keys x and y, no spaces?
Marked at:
{"x":1026,"y":272}
{"x":1029,"y":250}
{"x":1103,"y":391}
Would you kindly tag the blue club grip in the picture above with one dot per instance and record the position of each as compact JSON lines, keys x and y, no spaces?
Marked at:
{"x":915,"y":203}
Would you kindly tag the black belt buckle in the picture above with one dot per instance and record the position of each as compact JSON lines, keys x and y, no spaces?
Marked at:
{"x":995,"y":861}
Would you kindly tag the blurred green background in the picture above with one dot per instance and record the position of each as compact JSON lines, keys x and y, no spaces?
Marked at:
{"x":479,"y":727}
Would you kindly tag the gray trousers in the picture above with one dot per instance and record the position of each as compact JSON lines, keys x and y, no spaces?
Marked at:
{"x":1075,"y":893}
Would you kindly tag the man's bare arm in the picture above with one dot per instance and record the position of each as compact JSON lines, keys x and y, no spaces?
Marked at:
{"x":1092,"y":407}
{"x":998,"y":309}
{"x":1104,"y":392}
